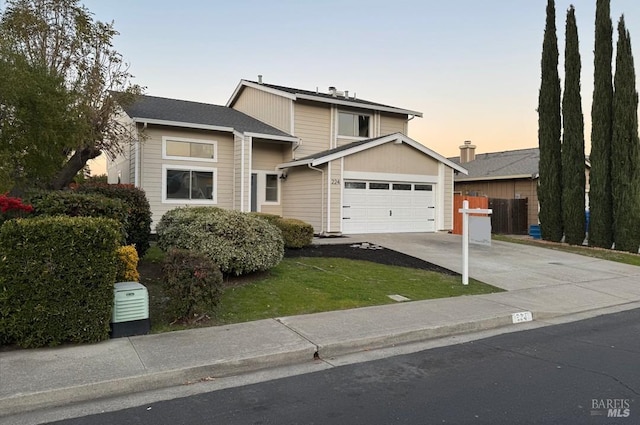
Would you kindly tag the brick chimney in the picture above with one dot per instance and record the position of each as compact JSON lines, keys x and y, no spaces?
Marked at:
{"x":467,"y":152}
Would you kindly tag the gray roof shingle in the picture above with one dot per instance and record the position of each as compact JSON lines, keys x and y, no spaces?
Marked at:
{"x":328,"y":97}
{"x":160,"y":108}
{"x":495,"y":165}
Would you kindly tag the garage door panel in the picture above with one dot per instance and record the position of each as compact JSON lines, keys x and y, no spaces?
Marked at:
{"x":395,"y":209}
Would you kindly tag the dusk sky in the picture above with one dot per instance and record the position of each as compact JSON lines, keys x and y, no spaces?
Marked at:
{"x":472,"y":67}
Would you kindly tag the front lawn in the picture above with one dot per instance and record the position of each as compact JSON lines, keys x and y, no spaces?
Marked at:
{"x":308,"y":285}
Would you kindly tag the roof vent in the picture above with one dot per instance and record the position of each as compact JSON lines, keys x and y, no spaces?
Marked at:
{"x":259,"y":79}
{"x":332,"y":91}
{"x":346,"y":94}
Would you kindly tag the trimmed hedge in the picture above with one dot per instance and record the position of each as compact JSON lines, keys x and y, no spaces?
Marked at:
{"x":72,"y":204}
{"x":296,"y":233}
{"x":193,"y":284}
{"x":56,"y":279}
{"x":238,"y":242}
{"x":138,"y":211}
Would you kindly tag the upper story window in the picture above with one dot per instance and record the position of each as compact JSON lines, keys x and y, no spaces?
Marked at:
{"x":189,"y":149}
{"x":353,"y":125}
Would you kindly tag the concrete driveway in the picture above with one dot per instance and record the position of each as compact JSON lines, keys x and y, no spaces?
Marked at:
{"x":539,"y":278}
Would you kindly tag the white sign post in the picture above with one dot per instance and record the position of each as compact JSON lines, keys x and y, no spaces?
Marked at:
{"x":465,"y":210}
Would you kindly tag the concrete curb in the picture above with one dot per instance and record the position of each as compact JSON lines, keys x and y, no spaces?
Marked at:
{"x":341,"y":348}
{"x":21,"y":403}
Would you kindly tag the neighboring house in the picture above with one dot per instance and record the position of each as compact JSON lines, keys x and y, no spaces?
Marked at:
{"x":504,"y":175}
{"x":341,"y":163}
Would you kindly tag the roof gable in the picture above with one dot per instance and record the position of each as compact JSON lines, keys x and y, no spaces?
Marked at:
{"x":160,"y":110}
{"x":361,"y":145}
{"x":296,"y":94}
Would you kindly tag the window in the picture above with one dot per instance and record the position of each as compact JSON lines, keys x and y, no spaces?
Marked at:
{"x":189,"y":149}
{"x":353,"y":125}
{"x":426,"y":187}
{"x":355,"y":185}
{"x":271,"y":188}
{"x":380,"y":186}
{"x":190,"y":184}
{"x":401,"y":186}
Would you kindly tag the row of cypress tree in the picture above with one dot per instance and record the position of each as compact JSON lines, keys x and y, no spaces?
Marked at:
{"x":615,"y":153}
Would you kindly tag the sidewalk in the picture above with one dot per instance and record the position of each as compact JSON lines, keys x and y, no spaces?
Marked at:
{"x":545,"y":282}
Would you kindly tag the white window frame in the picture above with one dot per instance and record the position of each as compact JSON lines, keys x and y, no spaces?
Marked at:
{"x":261,"y":197}
{"x":166,"y":139}
{"x":180,"y":167}
{"x":342,"y":136}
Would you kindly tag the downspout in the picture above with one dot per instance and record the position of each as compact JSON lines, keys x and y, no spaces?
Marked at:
{"x":136,"y":168}
{"x":321,"y":198}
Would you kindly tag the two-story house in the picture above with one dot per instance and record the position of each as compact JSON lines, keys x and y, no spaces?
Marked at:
{"x":339,"y":162}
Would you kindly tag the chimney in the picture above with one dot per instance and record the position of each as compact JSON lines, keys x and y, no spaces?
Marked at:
{"x":346,"y":94}
{"x":332,"y":91}
{"x":259,"y":79}
{"x":467,"y":152}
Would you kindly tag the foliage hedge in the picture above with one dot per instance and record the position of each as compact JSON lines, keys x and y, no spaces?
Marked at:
{"x":296,"y":233}
{"x":72,"y":204}
{"x":192,"y":282}
{"x":138,"y":223}
{"x":56,"y":279}
{"x":238,"y":242}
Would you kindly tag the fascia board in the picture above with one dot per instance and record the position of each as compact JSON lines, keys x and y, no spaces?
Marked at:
{"x":292,"y":139}
{"x":356,"y":104}
{"x":486,"y":178}
{"x":245,"y":83}
{"x":182,"y":124}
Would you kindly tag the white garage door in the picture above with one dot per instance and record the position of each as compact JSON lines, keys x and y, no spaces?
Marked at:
{"x":387,"y":207}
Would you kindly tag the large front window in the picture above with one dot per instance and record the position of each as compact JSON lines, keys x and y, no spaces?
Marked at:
{"x":189,"y":184}
{"x":353,"y":125}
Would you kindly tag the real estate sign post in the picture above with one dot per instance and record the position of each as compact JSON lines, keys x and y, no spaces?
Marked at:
{"x":479,"y":234}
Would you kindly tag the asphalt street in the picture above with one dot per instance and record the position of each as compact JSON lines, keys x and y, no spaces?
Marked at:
{"x":585,"y":372}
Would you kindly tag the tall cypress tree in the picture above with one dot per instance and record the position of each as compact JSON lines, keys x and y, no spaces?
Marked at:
{"x":600,"y":201}
{"x":549,"y":128}
{"x":625,"y":148}
{"x":573,"y":178}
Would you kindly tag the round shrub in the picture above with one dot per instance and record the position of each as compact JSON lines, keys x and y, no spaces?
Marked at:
{"x":296,"y":233}
{"x":192,"y":282}
{"x":238,"y":242}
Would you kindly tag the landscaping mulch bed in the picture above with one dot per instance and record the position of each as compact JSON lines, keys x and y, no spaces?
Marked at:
{"x":367,"y":252}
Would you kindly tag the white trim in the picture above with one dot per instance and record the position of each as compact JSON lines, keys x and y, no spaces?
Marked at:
{"x":333,"y":131}
{"x":182,"y":124}
{"x":292,"y":109}
{"x":329,"y":197}
{"x":440,"y":215}
{"x":261,"y":187}
{"x":355,"y":113}
{"x":261,"y":87}
{"x":242,"y":172}
{"x":390,"y":177}
{"x":187,"y":167}
{"x":166,"y":139}
{"x":341,"y":193}
{"x":136,"y":161}
{"x":272,"y":137}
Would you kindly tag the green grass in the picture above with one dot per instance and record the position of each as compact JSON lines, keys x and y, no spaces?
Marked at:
{"x":309,"y":285}
{"x":603,"y":254}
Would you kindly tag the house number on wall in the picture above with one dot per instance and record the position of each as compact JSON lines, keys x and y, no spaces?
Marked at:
{"x":335,"y":181}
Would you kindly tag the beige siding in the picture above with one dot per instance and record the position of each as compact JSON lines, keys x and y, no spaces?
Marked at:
{"x":447,"y":208}
{"x":152,"y":163}
{"x":392,"y":158}
{"x":334,"y":182}
{"x":392,"y":123}
{"x":266,"y":107}
{"x":266,"y":155}
{"x":302,"y":196}
{"x":313,"y":127}
{"x":505,"y":189}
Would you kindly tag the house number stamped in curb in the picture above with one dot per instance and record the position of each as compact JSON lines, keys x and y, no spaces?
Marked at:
{"x":522,"y":316}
